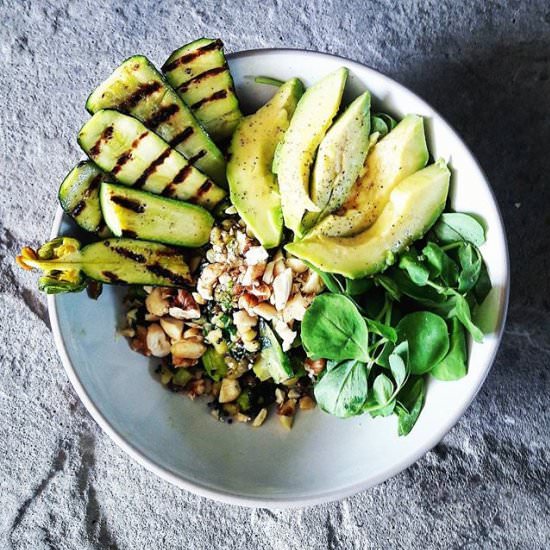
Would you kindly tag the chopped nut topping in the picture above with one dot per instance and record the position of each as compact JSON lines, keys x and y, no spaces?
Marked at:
{"x":288,"y":408}
{"x":295,"y":308}
{"x":306,"y":403}
{"x":229,"y":390}
{"x":282,"y":285}
{"x":255,"y":255}
{"x":238,"y":282}
{"x":157,"y":342}
{"x":187,"y":349}
{"x":172,"y":327}
{"x":260,"y":418}
{"x":315,"y":367}
{"x":266,"y":311}
{"x":157,"y":302}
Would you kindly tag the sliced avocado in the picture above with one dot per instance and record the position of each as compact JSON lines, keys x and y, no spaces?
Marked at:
{"x":399,"y":154}
{"x":252,"y":184}
{"x":295,"y":156}
{"x":141,"y":215}
{"x":340,"y":159}
{"x":413,"y":207}
{"x":272,"y":361}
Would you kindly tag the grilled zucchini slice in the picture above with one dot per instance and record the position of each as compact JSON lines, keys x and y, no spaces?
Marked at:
{"x":141,"y":215}
{"x":136,"y":88}
{"x":66,"y":265}
{"x":199,"y":73}
{"x":136,"y":157}
{"x":79,"y":197}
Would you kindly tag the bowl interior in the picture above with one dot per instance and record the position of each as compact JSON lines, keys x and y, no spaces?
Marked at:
{"x":322,"y":458}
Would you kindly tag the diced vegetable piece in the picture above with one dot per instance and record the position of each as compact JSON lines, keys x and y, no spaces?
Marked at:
{"x":272,"y":361}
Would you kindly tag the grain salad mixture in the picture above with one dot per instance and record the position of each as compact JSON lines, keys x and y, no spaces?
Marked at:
{"x":209,"y":340}
{"x":305,"y":254}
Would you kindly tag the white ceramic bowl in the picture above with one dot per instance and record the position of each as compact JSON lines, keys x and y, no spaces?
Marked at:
{"x":323,"y":458}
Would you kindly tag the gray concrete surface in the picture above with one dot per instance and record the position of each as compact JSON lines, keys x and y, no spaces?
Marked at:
{"x":486,"y":66}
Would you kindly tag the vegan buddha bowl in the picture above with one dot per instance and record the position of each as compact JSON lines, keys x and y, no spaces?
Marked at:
{"x":304,"y":255}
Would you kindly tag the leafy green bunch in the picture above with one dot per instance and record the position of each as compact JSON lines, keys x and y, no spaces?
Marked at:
{"x":383,"y":335}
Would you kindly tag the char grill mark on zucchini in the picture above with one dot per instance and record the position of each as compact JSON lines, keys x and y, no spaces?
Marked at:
{"x":105,"y":137}
{"x":204,"y":188}
{"x":136,"y":88}
{"x":129,"y":204}
{"x":220,"y":94}
{"x":187,"y":58}
{"x":200,"y":75}
{"x":161,"y":116}
{"x":79,"y":197}
{"x":86,"y":195}
{"x":140,"y":182}
{"x":93,"y":186}
{"x":134,"y":256}
{"x":121,"y":161}
{"x":171,"y":190}
{"x":161,"y":271}
{"x":142,"y":92}
{"x":137,"y":157}
{"x":124,"y":248}
{"x":112,"y":278}
{"x":199,"y":155}
{"x":181,"y":137}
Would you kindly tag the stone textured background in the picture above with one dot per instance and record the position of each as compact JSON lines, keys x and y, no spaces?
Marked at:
{"x":485,"y":65}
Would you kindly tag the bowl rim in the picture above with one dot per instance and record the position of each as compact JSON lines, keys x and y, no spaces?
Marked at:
{"x":289,"y":502}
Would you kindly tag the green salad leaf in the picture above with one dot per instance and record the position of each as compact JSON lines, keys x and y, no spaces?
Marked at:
{"x":382,"y":123}
{"x":483,"y":285}
{"x":389,"y":285}
{"x":330,"y":281}
{"x":342,"y":391}
{"x":454,"y":226}
{"x":383,"y":390}
{"x":455,"y":364}
{"x":269,"y":81}
{"x":461,"y":311}
{"x":386,"y":331}
{"x":440,"y":264}
{"x":410,"y":401}
{"x":356,"y":287}
{"x":417,"y":271}
{"x":399,"y":363}
{"x":333,"y":328}
{"x":428,"y":339}
{"x":470,"y":262}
